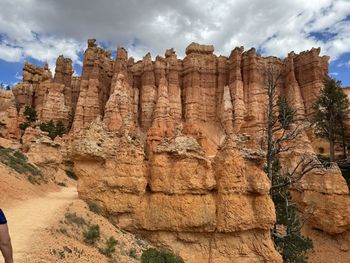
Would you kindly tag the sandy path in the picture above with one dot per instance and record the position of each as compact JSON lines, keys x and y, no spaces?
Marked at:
{"x":27,"y":219}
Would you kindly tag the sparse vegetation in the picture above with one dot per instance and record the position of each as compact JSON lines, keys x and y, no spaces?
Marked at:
{"x":72,"y":218}
{"x":30,"y":117}
{"x":153,"y":255}
{"x":92,"y":235}
{"x":94,"y":207}
{"x":23,"y":126}
{"x":30,"y":114}
{"x":53,"y":129}
{"x":110,"y":247}
{"x":18,"y":161}
{"x":132,"y":253}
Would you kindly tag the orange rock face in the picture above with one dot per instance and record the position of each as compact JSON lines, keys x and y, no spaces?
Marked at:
{"x":8,"y":116}
{"x":171,"y":147}
{"x":177,"y":195}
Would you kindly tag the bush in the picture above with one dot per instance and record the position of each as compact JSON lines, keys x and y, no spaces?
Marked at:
{"x":94,"y":207}
{"x":152,"y":255}
{"x":110,"y":247}
{"x":92,"y":235}
{"x":30,"y":114}
{"x":132,"y":253}
{"x":72,"y":218}
{"x":70,"y":173}
{"x":53,"y":129}
{"x":17,"y":161}
{"x":23,"y":126}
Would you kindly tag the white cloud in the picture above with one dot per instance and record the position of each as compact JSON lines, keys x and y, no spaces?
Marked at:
{"x":344,"y":64}
{"x":45,"y":29}
{"x":11,"y":54}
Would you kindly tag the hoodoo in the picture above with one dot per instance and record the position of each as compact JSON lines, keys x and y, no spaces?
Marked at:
{"x":173,"y":149}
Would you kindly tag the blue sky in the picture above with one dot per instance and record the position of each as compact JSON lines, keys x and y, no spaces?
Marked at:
{"x":40,"y":30}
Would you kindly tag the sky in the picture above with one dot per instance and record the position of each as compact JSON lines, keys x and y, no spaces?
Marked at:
{"x":38,"y":31}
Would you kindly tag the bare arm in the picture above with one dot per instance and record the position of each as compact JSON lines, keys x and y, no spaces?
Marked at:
{"x":5,"y":244}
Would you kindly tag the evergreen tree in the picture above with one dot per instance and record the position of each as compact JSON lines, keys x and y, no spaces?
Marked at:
{"x":30,"y":114}
{"x":60,"y":129}
{"x":50,"y":128}
{"x":282,"y":130}
{"x":286,"y":234}
{"x":53,"y":129}
{"x":331,"y":112}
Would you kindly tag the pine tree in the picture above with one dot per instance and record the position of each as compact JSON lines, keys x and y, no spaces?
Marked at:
{"x":60,"y":129}
{"x":282,"y":129}
{"x":331,"y":112}
{"x":288,"y":239}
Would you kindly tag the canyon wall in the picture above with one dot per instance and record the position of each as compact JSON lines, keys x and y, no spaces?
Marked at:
{"x":171,"y":148}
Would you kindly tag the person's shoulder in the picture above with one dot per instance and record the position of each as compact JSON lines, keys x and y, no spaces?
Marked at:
{"x":2,"y":218}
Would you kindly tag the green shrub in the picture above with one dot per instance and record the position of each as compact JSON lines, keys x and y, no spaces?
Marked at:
{"x":70,"y":173}
{"x":132,"y":253}
{"x":23,"y":126}
{"x":20,"y":155}
{"x":18,"y":161}
{"x":53,"y":129}
{"x":30,"y":114}
{"x":92,"y":235}
{"x":72,"y":218}
{"x":153,"y":255}
{"x":110,"y":247}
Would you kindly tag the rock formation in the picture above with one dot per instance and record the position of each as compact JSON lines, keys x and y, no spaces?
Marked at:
{"x":170,"y":147}
{"x":181,"y":199}
{"x":95,"y":84}
{"x":8,"y":116}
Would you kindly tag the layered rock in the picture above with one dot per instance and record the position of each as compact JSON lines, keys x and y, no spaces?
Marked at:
{"x":148,"y":93}
{"x":8,"y":116}
{"x":95,"y":84}
{"x":236,"y":88}
{"x":32,"y":77}
{"x":119,"y":111}
{"x":199,"y":87}
{"x":63,"y":75}
{"x":310,"y":70}
{"x":159,"y":145}
{"x":183,"y":197}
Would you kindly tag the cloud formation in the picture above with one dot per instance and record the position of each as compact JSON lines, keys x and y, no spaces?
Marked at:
{"x":44,"y":29}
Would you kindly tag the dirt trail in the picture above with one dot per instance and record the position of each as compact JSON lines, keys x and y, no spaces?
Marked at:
{"x":27,"y":219}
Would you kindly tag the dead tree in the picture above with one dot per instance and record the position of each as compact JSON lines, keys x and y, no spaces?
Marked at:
{"x":282,"y":134}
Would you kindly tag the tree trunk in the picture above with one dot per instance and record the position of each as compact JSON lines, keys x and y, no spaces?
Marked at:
{"x":344,"y":146}
{"x":331,"y":150}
